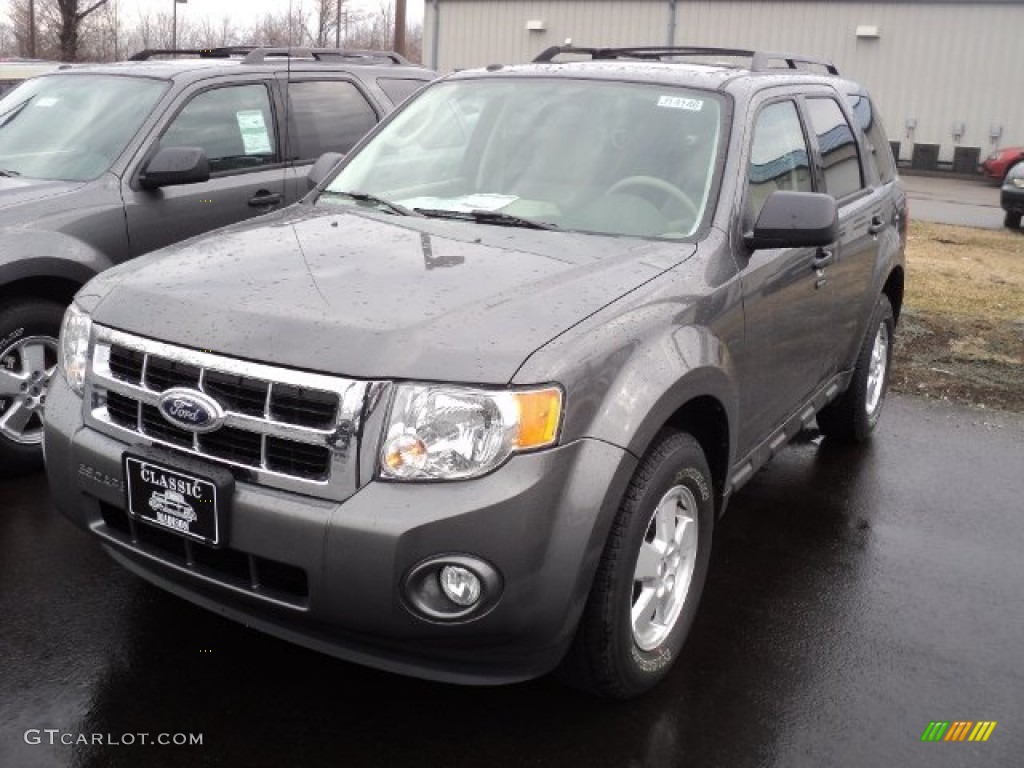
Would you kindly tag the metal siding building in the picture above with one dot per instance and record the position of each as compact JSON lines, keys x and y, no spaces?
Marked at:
{"x":931,"y":64}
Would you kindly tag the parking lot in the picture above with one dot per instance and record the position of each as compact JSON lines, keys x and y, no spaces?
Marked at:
{"x":854,"y":597}
{"x":967,"y":202}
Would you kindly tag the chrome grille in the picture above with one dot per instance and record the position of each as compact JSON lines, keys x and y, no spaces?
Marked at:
{"x":286,"y":428}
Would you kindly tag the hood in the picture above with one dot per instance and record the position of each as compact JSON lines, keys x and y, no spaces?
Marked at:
{"x":369,"y":295}
{"x":16,"y":191}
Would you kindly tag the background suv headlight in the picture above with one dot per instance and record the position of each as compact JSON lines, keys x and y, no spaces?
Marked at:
{"x":74,"y":347}
{"x":440,"y":432}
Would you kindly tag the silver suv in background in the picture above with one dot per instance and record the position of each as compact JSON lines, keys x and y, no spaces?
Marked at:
{"x":14,"y":71}
{"x":102,"y":163}
{"x":474,"y":406}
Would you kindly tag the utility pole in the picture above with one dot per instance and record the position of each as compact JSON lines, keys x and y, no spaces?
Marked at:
{"x":31,"y":29}
{"x":174,"y":27}
{"x":400,"y":27}
{"x":337,"y":27}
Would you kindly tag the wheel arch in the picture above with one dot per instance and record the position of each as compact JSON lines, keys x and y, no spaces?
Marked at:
{"x":893,"y":289}
{"x":60,"y":290}
{"x":704,"y":418}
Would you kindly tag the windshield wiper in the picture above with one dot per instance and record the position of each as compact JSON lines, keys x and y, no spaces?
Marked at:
{"x":8,"y":172}
{"x":366,"y":197}
{"x":486,"y":217}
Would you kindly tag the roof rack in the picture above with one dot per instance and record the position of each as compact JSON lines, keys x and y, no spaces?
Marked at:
{"x":256,"y":55}
{"x":203,"y":53}
{"x":761,"y":61}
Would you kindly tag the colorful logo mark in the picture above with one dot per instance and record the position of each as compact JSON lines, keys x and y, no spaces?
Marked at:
{"x":958,"y":730}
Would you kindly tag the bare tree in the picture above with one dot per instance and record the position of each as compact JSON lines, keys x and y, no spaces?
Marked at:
{"x":47,"y":26}
{"x":8,"y":43}
{"x":325,"y":22}
{"x":282,"y":29}
{"x":103,"y":35}
{"x":72,"y":14}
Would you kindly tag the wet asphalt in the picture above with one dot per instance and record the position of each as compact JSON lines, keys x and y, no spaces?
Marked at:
{"x":854,"y":596}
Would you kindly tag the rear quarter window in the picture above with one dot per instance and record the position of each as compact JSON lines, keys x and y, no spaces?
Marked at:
{"x":878,"y":145}
{"x":840,"y":158}
{"x":329,"y":116}
{"x":398,"y":90}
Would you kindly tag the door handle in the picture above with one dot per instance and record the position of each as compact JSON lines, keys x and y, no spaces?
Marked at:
{"x":877,"y":224}
{"x":822,"y":258}
{"x":264,"y":199}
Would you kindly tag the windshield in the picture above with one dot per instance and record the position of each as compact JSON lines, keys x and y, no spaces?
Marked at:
{"x":614,"y":158}
{"x":71,"y":127}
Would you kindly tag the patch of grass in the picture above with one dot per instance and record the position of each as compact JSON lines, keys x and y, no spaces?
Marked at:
{"x":962,"y":271}
{"x":962,"y":331}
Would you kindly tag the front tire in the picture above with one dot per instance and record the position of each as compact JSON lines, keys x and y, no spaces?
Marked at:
{"x":28,"y":360}
{"x":853,"y":415}
{"x":1012,"y":220}
{"x":651,"y":575}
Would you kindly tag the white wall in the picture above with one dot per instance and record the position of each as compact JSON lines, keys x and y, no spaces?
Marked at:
{"x":936,"y":62}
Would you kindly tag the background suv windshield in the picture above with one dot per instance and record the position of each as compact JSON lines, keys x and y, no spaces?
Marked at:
{"x":71,"y":127}
{"x":615,"y":158}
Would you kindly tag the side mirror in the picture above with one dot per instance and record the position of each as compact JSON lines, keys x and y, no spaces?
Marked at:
{"x":322,"y":167}
{"x":175,"y":165}
{"x":795,"y":220}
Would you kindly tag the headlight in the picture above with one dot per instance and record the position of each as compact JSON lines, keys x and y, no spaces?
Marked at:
{"x":439,"y":432}
{"x":74,"y":347}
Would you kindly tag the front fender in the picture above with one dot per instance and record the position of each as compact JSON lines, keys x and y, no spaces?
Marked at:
{"x":34,"y":253}
{"x":629,"y":368}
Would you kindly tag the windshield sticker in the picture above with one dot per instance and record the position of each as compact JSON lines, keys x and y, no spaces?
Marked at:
{"x":46,"y":101}
{"x":678,"y":102}
{"x":255,"y":138}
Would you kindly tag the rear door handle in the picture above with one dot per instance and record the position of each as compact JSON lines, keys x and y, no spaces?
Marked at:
{"x":264,"y":199}
{"x":822,"y":258}
{"x":877,"y":224}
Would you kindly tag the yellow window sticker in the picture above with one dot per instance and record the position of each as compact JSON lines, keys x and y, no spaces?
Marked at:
{"x":255,"y":138}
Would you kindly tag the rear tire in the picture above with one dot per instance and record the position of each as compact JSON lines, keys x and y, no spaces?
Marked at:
{"x":853,"y":415}
{"x":28,"y":359}
{"x":630,"y":633}
{"x":1012,"y":220}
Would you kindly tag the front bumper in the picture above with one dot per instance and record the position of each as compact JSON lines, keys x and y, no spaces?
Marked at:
{"x":337,"y":567}
{"x":1012,"y":200}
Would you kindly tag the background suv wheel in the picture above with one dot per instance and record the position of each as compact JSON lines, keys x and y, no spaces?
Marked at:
{"x":28,"y":360}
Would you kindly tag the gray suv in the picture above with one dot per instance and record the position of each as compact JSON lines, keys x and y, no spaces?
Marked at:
{"x":102,"y":163}
{"x":470,"y":411}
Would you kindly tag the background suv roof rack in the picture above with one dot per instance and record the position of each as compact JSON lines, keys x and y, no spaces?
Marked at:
{"x":203,"y":53}
{"x":257,"y":55}
{"x":761,"y":61}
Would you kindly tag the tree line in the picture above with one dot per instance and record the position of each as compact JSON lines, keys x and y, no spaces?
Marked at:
{"x":101,"y":30}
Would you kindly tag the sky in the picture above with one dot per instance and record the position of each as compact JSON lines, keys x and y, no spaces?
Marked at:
{"x":243,"y":12}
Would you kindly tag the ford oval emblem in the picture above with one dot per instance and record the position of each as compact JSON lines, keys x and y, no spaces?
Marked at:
{"x":191,"y":410}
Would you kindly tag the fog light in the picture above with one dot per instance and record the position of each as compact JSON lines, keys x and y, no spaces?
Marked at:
{"x":460,"y":585}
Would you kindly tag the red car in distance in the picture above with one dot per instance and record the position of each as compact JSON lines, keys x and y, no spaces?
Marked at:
{"x":999,"y":162}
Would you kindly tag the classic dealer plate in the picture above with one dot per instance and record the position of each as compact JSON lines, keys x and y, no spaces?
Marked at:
{"x":174,"y":499}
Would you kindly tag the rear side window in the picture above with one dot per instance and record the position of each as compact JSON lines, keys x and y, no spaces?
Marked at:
{"x":778,"y":156}
{"x":839,"y":157}
{"x":328,"y":116}
{"x":878,"y":144}
{"x":399,"y":90}
{"x":234,"y":125}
